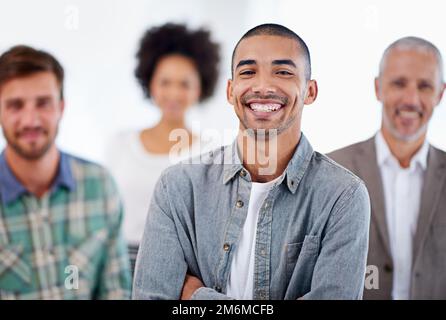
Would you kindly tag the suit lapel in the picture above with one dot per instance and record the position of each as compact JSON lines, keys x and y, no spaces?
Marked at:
{"x":433,"y":180}
{"x":371,"y":175}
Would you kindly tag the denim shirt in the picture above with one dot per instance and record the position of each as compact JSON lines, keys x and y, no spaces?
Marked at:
{"x":312,"y":230}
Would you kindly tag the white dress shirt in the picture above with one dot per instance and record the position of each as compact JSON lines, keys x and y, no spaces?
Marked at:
{"x":402,"y":193}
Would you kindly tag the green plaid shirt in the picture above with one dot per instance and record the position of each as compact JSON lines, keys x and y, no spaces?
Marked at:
{"x":66,"y":244}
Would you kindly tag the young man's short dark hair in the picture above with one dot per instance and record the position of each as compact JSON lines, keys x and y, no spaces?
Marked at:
{"x":21,"y":61}
{"x":272,"y":29}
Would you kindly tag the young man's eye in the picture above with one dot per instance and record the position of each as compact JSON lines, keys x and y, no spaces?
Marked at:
{"x":14,"y":106}
{"x":247,"y":72}
{"x":43,"y":103}
{"x":284,"y":73}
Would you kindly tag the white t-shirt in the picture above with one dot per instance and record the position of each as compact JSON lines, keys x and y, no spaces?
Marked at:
{"x":241,"y":276}
{"x":402,"y":193}
{"x":136,"y":172}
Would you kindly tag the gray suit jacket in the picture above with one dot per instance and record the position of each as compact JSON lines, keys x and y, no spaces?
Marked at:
{"x":429,"y":256}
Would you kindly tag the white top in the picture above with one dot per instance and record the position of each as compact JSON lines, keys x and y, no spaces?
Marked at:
{"x":402,"y":193}
{"x":241,"y":276}
{"x":136,"y":172}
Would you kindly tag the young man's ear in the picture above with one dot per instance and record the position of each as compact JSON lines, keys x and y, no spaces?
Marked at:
{"x":229,"y":92}
{"x":311,"y":93}
{"x":62,"y":107}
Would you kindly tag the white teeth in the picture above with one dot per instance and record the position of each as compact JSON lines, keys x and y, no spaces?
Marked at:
{"x":409,"y":114}
{"x":268,"y":107}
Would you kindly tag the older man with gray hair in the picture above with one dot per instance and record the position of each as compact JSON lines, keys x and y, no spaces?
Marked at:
{"x":405,"y":176}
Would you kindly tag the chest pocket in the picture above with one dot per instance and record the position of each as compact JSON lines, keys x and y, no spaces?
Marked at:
{"x":301,"y":259}
{"x":15,"y":272}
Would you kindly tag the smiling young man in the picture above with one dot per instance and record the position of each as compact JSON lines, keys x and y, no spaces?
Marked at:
{"x":60,"y":216}
{"x":405,"y":175}
{"x":264,"y":218}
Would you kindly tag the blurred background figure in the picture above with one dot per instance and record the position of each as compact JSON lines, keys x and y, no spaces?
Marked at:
{"x":99,"y":56}
{"x":405,"y":175}
{"x":60,"y":216}
{"x":177,"y":68}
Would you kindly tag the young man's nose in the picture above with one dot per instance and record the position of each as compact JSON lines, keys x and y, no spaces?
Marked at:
{"x":30,"y":116}
{"x":263,"y":85}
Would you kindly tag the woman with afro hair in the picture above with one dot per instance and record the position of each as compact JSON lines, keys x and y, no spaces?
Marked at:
{"x":177,"y":68}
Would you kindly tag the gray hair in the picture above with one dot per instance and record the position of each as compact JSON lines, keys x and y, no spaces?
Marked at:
{"x":413,"y":43}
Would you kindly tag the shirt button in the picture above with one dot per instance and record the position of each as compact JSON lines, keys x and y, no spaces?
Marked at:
{"x":239,"y":204}
{"x":226,"y":246}
{"x":243,"y":173}
{"x":263,"y":252}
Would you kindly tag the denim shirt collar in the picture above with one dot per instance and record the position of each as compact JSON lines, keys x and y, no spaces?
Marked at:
{"x":11,"y":189}
{"x":294,"y":171}
{"x":233,"y":165}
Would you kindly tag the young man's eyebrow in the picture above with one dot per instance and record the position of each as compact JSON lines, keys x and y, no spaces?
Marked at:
{"x":44,"y":97}
{"x":14,"y":100}
{"x":284,"y":61}
{"x":245,"y":62}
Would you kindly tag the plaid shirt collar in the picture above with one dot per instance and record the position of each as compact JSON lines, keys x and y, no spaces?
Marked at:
{"x":11,"y":189}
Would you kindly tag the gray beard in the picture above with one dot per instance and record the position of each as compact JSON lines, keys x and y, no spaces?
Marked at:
{"x":405,"y":138}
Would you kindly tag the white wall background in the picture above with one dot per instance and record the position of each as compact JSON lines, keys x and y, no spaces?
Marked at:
{"x":96,"y":41}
